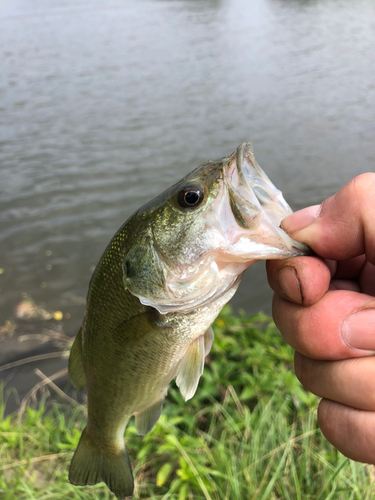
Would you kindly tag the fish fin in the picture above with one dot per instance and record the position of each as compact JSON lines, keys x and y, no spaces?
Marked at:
{"x":208,"y":340}
{"x":191,"y":368}
{"x":146,"y":419}
{"x":91,"y":465}
{"x":76,"y":372}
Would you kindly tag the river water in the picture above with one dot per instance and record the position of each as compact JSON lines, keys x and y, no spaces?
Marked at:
{"x":104,"y":106}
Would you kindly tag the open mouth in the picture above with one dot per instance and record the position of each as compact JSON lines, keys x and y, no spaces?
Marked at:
{"x":268,"y":196}
{"x":258,"y":191}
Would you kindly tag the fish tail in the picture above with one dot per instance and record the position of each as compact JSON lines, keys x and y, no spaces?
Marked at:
{"x":91,"y":465}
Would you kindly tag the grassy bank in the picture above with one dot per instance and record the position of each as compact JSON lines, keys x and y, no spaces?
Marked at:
{"x":250,"y":432}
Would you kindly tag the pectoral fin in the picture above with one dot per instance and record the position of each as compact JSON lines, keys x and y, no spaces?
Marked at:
{"x":146,"y":419}
{"x":191,"y":368}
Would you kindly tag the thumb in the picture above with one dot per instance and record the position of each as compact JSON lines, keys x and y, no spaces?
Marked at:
{"x":343,"y":226}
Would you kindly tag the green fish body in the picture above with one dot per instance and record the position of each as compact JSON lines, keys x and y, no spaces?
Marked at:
{"x":159,"y":285}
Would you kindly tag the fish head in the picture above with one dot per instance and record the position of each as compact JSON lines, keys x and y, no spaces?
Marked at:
{"x":190,"y":245}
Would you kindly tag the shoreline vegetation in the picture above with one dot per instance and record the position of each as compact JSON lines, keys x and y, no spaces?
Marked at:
{"x":249,"y":433}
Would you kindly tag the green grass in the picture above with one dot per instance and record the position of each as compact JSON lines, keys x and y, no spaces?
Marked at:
{"x":250,"y":432}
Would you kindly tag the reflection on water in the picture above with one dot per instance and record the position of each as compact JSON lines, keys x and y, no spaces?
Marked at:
{"x":102,"y":107}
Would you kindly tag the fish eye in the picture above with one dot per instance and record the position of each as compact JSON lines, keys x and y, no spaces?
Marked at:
{"x":190,"y":196}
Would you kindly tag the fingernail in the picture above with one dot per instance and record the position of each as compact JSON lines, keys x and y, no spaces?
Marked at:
{"x":289,"y":284}
{"x":301,"y":219}
{"x":358,"y":330}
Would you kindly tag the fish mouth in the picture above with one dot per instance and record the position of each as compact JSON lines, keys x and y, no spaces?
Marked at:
{"x":258,"y":208}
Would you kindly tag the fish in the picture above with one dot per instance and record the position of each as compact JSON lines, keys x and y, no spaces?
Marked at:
{"x":158,"y":287}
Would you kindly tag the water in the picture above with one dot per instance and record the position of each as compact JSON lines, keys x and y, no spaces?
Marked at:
{"x":102,"y":107}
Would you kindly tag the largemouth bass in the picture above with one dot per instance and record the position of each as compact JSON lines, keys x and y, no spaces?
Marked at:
{"x":159,"y":285}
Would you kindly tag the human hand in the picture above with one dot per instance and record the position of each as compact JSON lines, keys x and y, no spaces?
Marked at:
{"x":324,"y":306}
